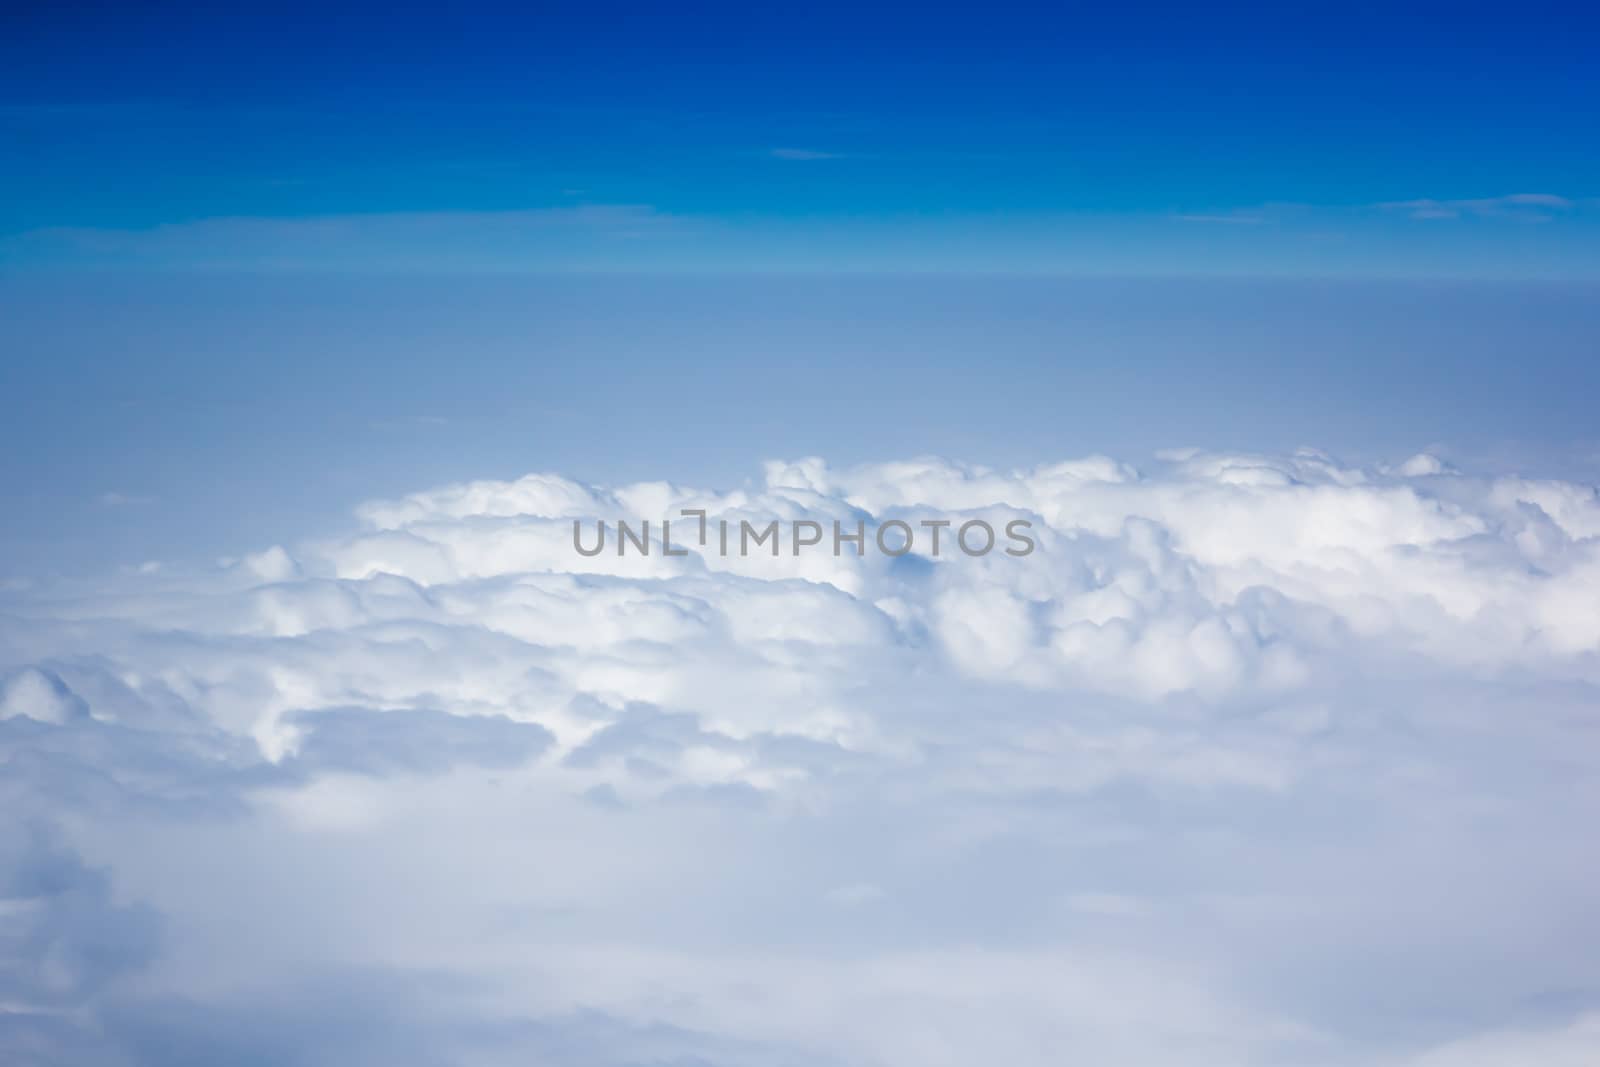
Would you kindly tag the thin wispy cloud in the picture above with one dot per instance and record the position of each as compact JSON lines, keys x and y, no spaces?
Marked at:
{"x":386,"y":240}
{"x":1235,"y":218}
{"x":410,"y":422}
{"x":802,"y":154}
{"x":1522,"y":207}
{"x":117,"y":499}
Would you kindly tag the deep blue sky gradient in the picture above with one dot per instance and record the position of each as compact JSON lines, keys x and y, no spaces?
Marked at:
{"x":1072,"y":138}
{"x":258,"y":263}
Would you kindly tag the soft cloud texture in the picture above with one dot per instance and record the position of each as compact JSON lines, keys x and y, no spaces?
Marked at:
{"x":1257,"y":760}
{"x":1523,"y":207}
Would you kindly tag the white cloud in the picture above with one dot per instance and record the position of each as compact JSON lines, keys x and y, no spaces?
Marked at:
{"x":41,"y":696}
{"x":1256,"y":760}
{"x":1567,"y":1046}
{"x":1523,"y":207}
{"x":802,"y":154}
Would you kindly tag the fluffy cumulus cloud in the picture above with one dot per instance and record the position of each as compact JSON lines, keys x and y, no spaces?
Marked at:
{"x":1253,"y":760}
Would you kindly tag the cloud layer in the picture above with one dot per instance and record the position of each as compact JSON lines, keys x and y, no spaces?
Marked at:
{"x":1256,"y":760}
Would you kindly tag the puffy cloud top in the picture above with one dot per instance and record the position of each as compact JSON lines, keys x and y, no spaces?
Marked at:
{"x":1255,"y":759}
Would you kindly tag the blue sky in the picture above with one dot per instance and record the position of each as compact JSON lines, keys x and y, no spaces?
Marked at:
{"x":1358,"y":140}
{"x":175,"y":415}
{"x":288,"y":258}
